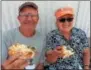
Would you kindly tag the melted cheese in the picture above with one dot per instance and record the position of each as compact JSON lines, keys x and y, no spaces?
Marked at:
{"x":21,"y":49}
{"x":64,"y":52}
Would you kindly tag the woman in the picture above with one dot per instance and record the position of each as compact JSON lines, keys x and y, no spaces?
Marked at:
{"x":69,"y":36}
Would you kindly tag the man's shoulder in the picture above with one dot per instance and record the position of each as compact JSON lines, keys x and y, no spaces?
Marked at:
{"x":9,"y":32}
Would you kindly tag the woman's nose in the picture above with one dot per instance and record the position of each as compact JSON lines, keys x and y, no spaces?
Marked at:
{"x":66,"y":23}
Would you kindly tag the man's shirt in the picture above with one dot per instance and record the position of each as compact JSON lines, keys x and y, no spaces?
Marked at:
{"x":14,"y":36}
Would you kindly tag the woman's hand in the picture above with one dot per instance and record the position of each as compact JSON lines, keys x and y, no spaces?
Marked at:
{"x":60,"y":51}
{"x":14,"y":62}
{"x":86,"y":58}
{"x":52,"y":56}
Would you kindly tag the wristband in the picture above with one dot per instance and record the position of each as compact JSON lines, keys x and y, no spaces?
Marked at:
{"x":86,"y":65}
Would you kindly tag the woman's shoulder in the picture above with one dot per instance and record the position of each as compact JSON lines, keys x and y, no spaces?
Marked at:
{"x":78,"y":31}
{"x":53,"y":32}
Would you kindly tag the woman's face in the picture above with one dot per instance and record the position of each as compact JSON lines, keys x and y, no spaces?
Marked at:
{"x":65,"y":23}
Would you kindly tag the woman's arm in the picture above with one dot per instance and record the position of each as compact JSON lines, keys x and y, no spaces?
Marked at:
{"x":86,"y":58}
{"x":85,"y":50}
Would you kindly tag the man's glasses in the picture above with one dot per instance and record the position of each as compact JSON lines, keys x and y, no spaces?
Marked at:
{"x":70,"y":19}
{"x":27,"y":15}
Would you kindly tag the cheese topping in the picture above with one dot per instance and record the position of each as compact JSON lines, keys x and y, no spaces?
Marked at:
{"x":24,"y":50}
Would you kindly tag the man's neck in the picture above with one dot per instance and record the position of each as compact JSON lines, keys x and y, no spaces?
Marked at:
{"x":27,"y":32}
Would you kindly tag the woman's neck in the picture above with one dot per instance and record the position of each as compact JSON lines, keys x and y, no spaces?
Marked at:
{"x":67,"y":35}
{"x":27,"y":32}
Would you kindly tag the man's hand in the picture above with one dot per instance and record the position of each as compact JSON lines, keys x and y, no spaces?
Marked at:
{"x":15,"y":62}
{"x":39,"y":66}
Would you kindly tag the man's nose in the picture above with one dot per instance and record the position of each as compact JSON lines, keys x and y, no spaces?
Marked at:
{"x":29,"y":17}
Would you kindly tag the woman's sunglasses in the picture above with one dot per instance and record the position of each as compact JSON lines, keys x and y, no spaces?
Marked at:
{"x":70,"y":19}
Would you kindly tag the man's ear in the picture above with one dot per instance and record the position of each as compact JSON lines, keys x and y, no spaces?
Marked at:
{"x":18,"y":17}
{"x":38,"y":17}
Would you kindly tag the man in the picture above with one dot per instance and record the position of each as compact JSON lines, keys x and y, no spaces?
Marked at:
{"x":70,"y":37}
{"x":26,"y":34}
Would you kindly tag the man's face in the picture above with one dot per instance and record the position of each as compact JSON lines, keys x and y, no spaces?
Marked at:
{"x":28,"y":18}
{"x":65,"y":23}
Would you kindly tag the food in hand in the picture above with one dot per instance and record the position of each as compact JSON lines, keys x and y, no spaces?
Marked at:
{"x":24,"y":50}
{"x":64,"y":52}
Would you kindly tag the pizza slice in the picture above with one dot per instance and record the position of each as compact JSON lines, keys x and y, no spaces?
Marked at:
{"x":64,"y":52}
{"x":24,"y":50}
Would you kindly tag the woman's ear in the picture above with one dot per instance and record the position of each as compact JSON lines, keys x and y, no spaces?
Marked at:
{"x":56,"y":23}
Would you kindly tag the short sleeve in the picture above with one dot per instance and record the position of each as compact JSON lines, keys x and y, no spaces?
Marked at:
{"x":49,"y":42}
{"x":84,"y":41}
{"x":3,"y":49}
{"x":7,"y":40}
{"x":46,"y":46}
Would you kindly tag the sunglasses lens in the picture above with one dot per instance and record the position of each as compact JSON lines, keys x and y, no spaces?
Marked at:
{"x":69,"y":19}
{"x":65,"y":19}
{"x":62,"y":20}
